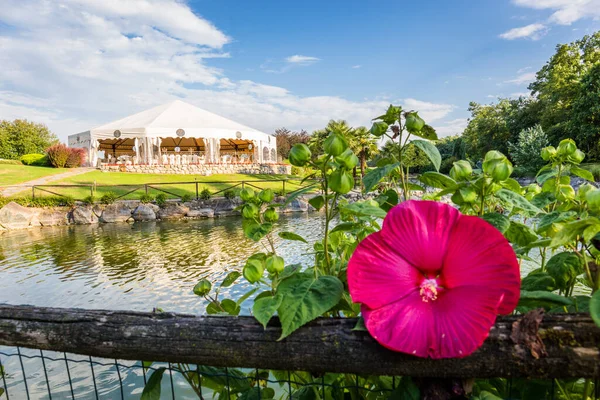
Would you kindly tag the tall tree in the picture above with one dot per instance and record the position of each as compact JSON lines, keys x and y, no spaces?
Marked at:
{"x":366,"y":146}
{"x":340,"y":126}
{"x":21,"y":137}
{"x":585,"y":121}
{"x":286,"y":139}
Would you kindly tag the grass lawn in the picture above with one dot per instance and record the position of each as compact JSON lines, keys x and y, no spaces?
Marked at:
{"x":110,"y":181}
{"x":12,"y":174}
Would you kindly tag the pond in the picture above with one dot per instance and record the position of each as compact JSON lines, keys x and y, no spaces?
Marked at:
{"x":123,"y":267}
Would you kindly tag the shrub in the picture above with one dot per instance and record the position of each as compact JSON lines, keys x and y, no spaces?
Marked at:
{"x":161,"y":199}
{"x":594,"y":169}
{"x":12,"y":162}
{"x":186,"y":197}
{"x":108,"y":198}
{"x":146,"y":198}
{"x":229,"y":194}
{"x":76,"y":157}
{"x":39,"y":160}
{"x":205,"y":194}
{"x":58,"y":155}
{"x":526,"y":151}
{"x":279,"y":192}
{"x":46,"y":201}
{"x":89,"y":200}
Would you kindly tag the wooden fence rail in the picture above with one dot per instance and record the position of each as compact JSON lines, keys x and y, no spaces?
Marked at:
{"x":572,"y":343}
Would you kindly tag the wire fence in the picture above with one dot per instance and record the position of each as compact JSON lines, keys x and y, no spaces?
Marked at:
{"x":37,"y":374}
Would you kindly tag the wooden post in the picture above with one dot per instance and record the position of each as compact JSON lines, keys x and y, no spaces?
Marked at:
{"x":284,"y":186}
{"x":146,"y":188}
{"x":33,"y":192}
{"x":197,"y":194}
{"x":571,"y":343}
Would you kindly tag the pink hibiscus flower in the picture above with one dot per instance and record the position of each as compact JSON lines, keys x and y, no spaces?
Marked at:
{"x":432,"y":281}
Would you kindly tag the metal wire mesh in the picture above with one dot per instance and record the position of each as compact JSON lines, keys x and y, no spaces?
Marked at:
{"x":36,"y":374}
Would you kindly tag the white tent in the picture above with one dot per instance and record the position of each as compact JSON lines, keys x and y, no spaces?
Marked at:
{"x":174,"y":127}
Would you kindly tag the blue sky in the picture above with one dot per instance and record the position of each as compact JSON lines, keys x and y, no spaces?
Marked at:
{"x":74,"y":64}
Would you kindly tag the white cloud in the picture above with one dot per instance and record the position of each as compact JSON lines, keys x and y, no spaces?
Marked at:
{"x":532,"y":31}
{"x":520,"y":71}
{"x":522,"y":78}
{"x":301,"y":60}
{"x":565,"y":11}
{"x":520,"y":94}
{"x":453,"y":127}
{"x":356,"y":66}
{"x":76,"y":64}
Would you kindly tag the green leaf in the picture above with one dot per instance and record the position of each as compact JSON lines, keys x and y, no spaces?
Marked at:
{"x":564,"y":267}
{"x":1,"y":391}
{"x":218,"y":378}
{"x":391,"y":199}
{"x":230,"y":306}
{"x":406,"y":390}
{"x":246,"y":295}
{"x":317,"y":202}
{"x":582,"y":173}
{"x":541,"y":298}
{"x":265,"y":307}
{"x":520,"y":234}
{"x":373,"y":177}
{"x":430,"y":151}
{"x":213,"y":308}
{"x":538,"y":280}
{"x":512,"y":185}
{"x":230,"y":278}
{"x":437,"y":180}
{"x":427,"y":132}
{"x":571,"y":230}
{"x":517,"y":201}
{"x":553,"y":217}
{"x":289,"y":270}
{"x":255,"y":393}
{"x":345,"y":227}
{"x":304,"y":393}
{"x":152,"y":388}
{"x":256,"y":231}
{"x":485,"y":395}
{"x":292,"y":236}
{"x":306,"y":298}
{"x":543,"y":199}
{"x":364,"y":209}
{"x":499,"y":221}
{"x":545,"y":174}
{"x":360,"y":325}
{"x":595,"y":307}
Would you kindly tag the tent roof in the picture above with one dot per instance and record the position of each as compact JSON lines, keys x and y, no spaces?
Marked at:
{"x":165,"y":120}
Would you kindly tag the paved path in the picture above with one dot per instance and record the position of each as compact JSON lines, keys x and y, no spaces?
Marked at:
{"x":14,"y":189}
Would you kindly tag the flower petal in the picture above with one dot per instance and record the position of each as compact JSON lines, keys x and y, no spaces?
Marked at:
{"x":463,"y":318}
{"x":479,"y":256}
{"x":407,"y":325}
{"x":419,"y":232}
{"x":377,"y":275}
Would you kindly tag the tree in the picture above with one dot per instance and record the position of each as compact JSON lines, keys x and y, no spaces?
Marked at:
{"x":557,"y":84}
{"x":585,"y":121}
{"x":526,"y":152}
{"x":286,"y":139}
{"x":21,"y":137}
{"x":366,"y":144}
{"x":412,"y":156}
{"x":341,"y":127}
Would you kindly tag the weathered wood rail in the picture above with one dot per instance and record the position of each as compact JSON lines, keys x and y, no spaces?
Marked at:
{"x":572,"y":344}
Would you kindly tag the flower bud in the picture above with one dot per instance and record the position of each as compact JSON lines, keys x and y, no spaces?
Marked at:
{"x":299,"y":155}
{"x":379,"y":128}
{"x":566,"y":147}
{"x":347,"y":159}
{"x":274,"y":264}
{"x":593,"y":199}
{"x":534,"y":188}
{"x":414,"y":123}
{"x":548,"y":153}
{"x":266,"y":196}
{"x":565,"y":193}
{"x":466,"y":195}
{"x":270,"y":215}
{"x":461,"y":170}
{"x":335,"y":144}
{"x":253,"y":270}
{"x":247,"y":194}
{"x":341,"y":181}
{"x":250,"y":211}
{"x":577,"y":157}
{"x":202,"y":288}
{"x":583,"y":190}
{"x":497,"y":166}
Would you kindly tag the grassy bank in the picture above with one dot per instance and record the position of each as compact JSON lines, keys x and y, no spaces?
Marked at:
{"x":13,"y":174}
{"x":111,"y":182}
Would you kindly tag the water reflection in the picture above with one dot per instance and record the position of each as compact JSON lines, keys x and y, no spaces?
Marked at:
{"x":137,"y":266}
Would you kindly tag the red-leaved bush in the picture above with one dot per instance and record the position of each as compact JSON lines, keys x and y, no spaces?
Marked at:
{"x":76,"y":157}
{"x":61,"y":156}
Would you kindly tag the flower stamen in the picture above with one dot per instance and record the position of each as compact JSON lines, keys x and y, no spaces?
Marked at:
{"x":429,"y":290}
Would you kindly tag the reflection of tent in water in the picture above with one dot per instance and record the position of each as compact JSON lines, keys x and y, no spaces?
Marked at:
{"x":176,"y":133}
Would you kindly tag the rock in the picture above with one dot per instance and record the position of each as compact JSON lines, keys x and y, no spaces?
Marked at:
{"x":144,"y":212}
{"x":83,"y":215}
{"x":53,"y":218}
{"x":172,"y":211}
{"x":225,"y":207}
{"x":15,"y":216}
{"x":296,"y":205}
{"x":201,"y":213}
{"x":97,"y":209}
{"x":116,"y":212}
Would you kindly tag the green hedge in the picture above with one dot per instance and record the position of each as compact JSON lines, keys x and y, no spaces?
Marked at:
{"x":39,"y":160}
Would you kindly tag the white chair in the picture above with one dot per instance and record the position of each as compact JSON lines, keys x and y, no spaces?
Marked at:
{"x":172,"y":159}
{"x":165,"y":159}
